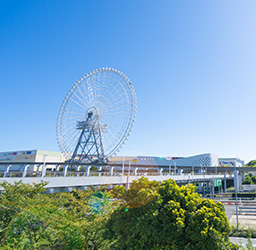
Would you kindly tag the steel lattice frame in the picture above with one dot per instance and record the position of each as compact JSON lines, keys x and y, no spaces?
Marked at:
{"x":112,"y":94}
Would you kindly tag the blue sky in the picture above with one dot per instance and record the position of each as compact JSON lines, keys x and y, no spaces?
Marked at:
{"x":192,"y":64}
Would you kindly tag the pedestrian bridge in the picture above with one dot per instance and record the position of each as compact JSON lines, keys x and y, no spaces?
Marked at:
{"x":56,"y":183}
{"x":66,"y":177}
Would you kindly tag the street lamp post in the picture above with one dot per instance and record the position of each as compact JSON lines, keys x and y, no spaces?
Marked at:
{"x":129,"y":168}
{"x":204,"y":183}
{"x":123,"y":166}
{"x":170,"y":169}
{"x":236,"y":183}
{"x":44,"y":166}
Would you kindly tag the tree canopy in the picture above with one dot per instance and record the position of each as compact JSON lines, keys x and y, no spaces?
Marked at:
{"x":251,"y":163}
{"x":32,"y":219}
{"x":148,"y":215}
{"x":176,"y":218}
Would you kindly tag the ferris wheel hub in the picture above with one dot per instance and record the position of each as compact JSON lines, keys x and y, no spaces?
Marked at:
{"x":93,"y":113}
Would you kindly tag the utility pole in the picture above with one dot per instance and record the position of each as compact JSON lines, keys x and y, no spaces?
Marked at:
{"x":236,"y":184}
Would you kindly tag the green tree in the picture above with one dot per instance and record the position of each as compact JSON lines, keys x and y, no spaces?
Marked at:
{"x":170,"y":217}
{"x":35,"y":220}
{"x":253,"y":177}
{"x":251,"y":163}
{"x":247,"y":180}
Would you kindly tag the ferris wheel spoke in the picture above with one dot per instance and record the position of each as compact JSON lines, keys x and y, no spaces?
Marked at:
{"x":72,"y":117}
{"x":109,"y":126}
{"x":70,"y":123}
{"x":78,"y":97}
{"x":81,"y":91}
{"x":76,"y":102}
{"x":72,"y":112}
{"x":69,"y":138}
{"x":116,"y":106}
{"x":69,"y":131}
{"x":112,"y":136}
{"x":76,"y":109}
{"x":70,"y":144}
{"x":107,"y":79}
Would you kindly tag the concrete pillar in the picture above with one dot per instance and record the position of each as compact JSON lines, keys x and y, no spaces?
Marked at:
{"x":6,"y":172}
{"x":146,"y":172}
{"x":25,"y":170}
{"x":87,"y":170}
{"x":200,"y":184}
{"x":111,"y":171}
{"x":100,"y":169}
{"x":180,"y":171}
{"x":135,"y":171}
{"x":200,"y":187}
{"x":225,"y":182}
{"x":68,"y":189}
{"x":83,"y":188}
{"x":207,"y":187}
{"x":65,"y":170}
{"x":50,"y":191}
{"x":38,"y":167}
{"x":160,"y":171}
{"x":57,"y":168}
{"x":213,"y":186}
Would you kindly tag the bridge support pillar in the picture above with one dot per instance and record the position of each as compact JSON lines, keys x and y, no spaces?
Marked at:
{"x":111,"y":171}
{"x":100,"y":169}
{"x":25,"y":171}
{"x":180,"y":171}
{"x":225,"y":182}
{"x":212,"y":187}
{"x":6,"y":172}
{"x":83,"y":188}
{"x":57,"y":168}
{"x":65,"y":170}
{"x":38,"y":167}
{"x":135,"y":171}
{"x":87,"y":170}
{"x":50,"y":191}
{"x":200,"y":187}
{"x":160,"y":171}
{"x":200,"y":184}
{"x":68,"y":189}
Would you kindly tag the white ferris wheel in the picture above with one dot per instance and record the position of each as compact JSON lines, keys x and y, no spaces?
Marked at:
{"x":96,"y":116}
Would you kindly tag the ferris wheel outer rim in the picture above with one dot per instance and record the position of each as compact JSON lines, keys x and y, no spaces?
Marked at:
{"x":132,"y":114}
